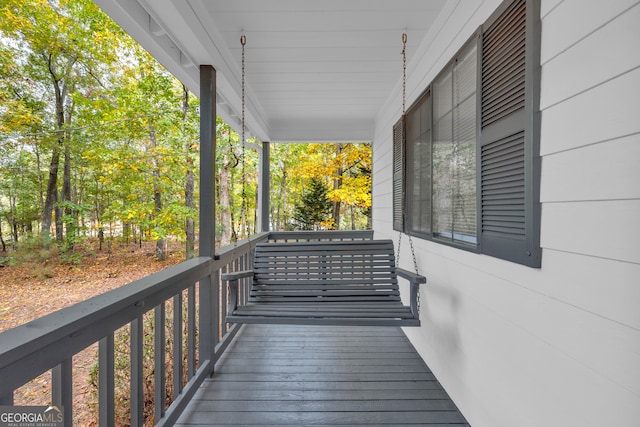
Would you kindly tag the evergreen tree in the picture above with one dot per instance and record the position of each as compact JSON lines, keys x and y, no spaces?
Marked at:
{"x":314,"y":207}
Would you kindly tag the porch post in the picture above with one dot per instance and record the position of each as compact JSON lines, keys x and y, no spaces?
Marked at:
{"x":264,"y":186}
{"x":207,"y":211}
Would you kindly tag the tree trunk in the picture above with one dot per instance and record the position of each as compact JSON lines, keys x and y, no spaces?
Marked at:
{"x":336,"y":205}
{"x":101,"y":237}
{"x":161,"y":253}
{"x":337,"y":183}
{"x":60,"y":90}
{"x":190,"y":150}
{"x":59,"y":223}
{"x":225,"y":204}
{"x":36,"y":151}
{"x":13,"y":227}
{"x":4,"y":245}
{"x":283,"y":201}
{"x":70,"y":213}
{"x":126,"y":232}
{"x":68,"y":216}
{"x":190,"y":225}
{"x":353,"y":218}
{"x":52,"y":193}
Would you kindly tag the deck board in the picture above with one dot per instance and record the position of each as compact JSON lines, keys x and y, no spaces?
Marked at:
{"x":324,"y":376}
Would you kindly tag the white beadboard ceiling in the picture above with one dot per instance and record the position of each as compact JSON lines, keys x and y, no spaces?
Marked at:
{"x":315,"y":70}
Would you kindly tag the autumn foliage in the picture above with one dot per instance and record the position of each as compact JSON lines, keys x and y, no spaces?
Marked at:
{"x":98,"y":140}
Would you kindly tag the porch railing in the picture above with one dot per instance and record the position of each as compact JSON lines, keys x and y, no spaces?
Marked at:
{"x":50,"y":342}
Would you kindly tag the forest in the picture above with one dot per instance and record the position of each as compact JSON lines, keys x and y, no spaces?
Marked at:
{"x":99,"y":143}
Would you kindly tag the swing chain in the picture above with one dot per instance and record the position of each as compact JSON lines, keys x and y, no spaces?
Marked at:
{"x":404,"y":100}
{"x":404,"y":72}
{"x":398,"y":252}
{"x":243,"y":41}
{"x":243,"y":206}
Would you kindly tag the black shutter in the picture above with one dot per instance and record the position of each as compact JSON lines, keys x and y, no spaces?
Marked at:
{"x":398,"y":175}
{"x":509,"y":189}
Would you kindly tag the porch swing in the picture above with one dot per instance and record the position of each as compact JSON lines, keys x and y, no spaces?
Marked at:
{"x":329,"y":282}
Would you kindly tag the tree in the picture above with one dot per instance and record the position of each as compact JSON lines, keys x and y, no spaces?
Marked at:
{"x":225,"y":161}
{"x":99,"y":136}
{"x":152,"y":169}
{"x":59,"y":48}
{"x":191,"y":151}
{"x":93,"y":131}
{"x":236,"y":168}
{"x":354,"y":179}
{"x":347,"y":168}
{"x":286,"y":183}
{"x":314,"y":207}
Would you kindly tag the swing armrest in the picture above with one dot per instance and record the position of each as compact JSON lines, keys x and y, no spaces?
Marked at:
{"x":233,"y":279}
{"x":415,"y":280}
{"x":236,"y":275}
{"x":410,"y":276}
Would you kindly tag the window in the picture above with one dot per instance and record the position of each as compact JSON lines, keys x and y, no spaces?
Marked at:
{"x":454,"y":150}
{"x":419,"y":167}
{"x":466,"y":162}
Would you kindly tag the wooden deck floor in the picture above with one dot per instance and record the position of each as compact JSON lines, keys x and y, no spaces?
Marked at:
{"x":316,"y":375}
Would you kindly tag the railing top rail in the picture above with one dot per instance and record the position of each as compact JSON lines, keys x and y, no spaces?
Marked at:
{"x":321,"y":235}
{"x":48,"y":340}
{"x":226,"y":254}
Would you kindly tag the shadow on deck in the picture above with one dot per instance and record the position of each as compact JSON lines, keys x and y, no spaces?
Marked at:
{"x":317,"y":375}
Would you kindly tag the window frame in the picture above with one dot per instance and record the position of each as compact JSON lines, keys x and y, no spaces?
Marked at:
{"x":425,"y":96}
{"x":524,"y":251}
{"x":408,"y":158}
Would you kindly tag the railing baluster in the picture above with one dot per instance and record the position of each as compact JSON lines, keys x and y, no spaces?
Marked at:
{"x":177,"y":345}
{"x":137,"y":390}
{"x":241,"y":267}
{"x":224,"y":297}
{"x":248,"y":284}
{"x":62,"y":389}
{"x":245,"y":287}
{"x":237,"y":267}
{"x":245,"y":266}
{"x":106,"y":381}
{"x":191,"y":331}
{"x":159,"y":360}
{"x":217,"y":316}
{"x":229,"y":268}
{"x":207,"y":314}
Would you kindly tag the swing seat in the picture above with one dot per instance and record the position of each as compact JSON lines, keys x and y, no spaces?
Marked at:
{"x":325,"y":283}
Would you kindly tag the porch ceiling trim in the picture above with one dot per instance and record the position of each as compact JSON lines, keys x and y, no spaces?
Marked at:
{"x":315,"y":71}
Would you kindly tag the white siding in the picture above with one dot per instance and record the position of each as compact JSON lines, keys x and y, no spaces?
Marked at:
{"x":559,"y":345}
